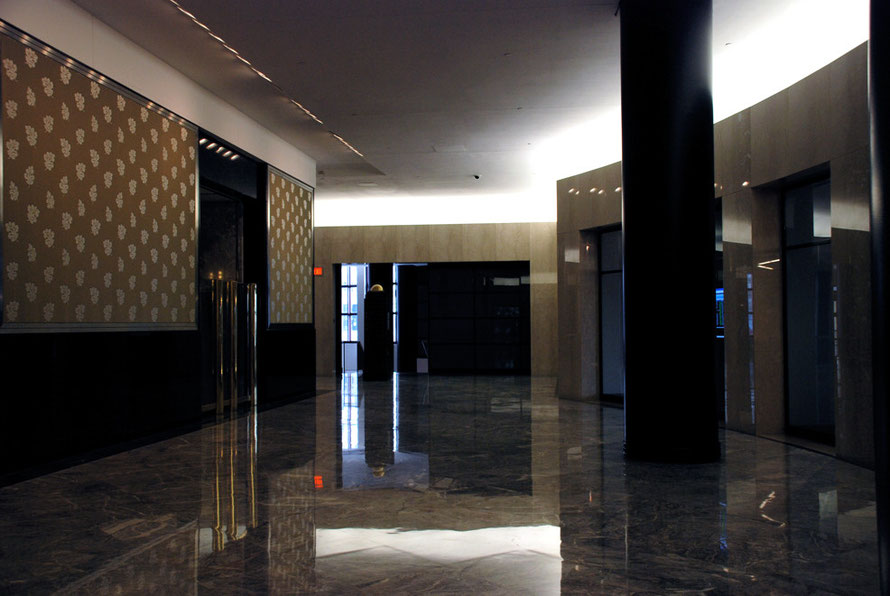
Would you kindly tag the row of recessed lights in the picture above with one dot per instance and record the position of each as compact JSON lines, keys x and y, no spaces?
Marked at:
{"x":218,"y":148}
{"x":599,"y":191}
{"x":259,"y":73}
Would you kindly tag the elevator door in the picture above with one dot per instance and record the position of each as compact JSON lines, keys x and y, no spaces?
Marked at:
{"x":809,"y":312}
{"x":611,"y":317}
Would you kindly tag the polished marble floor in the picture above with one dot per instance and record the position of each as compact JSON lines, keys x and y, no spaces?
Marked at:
{"x":443,"y":486}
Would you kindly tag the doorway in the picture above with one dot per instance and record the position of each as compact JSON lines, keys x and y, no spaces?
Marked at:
{"x":447,"y":318}
{"x":809,"y":312}
{"x":611,"y":317}
{"x":229,"y":210}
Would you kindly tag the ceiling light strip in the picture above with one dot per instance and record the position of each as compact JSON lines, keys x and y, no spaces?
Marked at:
{"x":256,"y":71}
{"x":342,"y":140}
{"x":66,"y":60}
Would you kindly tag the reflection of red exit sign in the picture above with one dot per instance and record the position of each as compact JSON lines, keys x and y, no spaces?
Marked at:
{"x":318,"y":271}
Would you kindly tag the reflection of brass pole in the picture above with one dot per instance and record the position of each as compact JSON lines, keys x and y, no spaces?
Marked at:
{"x":217,"y":297}
{"x":252,"y":454}
{"x":218,"y":540}
{"x":251,"y":343}
{"x":233,"y":347}
{"x":233,"y":449}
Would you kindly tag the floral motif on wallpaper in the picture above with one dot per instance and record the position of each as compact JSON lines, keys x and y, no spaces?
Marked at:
{"x":290,"y":250}
{"x":98,"y":201}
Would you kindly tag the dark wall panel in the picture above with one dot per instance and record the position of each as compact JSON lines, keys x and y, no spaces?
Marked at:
{"x":479,"y":317}
{"x":68,"y":393}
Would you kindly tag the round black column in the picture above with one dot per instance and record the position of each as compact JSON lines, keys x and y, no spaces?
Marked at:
{"x":879,"y":106}
{"x":668,"y":224}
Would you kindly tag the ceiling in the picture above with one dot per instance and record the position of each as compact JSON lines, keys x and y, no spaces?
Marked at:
{"x":440,"y":97}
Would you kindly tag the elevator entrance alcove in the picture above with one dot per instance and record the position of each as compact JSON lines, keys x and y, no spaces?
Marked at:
{"x":810,"y":312}
{"x":229,"y":203}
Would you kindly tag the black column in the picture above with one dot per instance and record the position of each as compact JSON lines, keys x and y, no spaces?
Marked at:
{"x":668,"y":221}
{"x":878,"y":98}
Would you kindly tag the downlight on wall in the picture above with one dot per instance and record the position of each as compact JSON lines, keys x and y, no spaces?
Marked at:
{"x":218,"y":148}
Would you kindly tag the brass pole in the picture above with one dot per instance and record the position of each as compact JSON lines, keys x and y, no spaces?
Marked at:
{"x":233,"y":347}
{"x":252,"y":342}
{"x":217,"y":297}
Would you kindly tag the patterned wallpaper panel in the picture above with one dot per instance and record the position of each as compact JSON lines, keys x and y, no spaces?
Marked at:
{"x":99,"y":222}
{"x":290,"y":250}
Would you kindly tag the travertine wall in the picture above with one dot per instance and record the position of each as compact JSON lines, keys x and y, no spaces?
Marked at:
{"x":533,"y":242}
{"x":820,"y":122}
{"x":587,"y":201}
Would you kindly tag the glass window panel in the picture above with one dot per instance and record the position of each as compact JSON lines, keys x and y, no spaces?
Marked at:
{"x":344,"y":328}
{"x":395,"y":298}
{"x":611,"y":317}
{"x":353,"y":332}
{"x":353,"y":300}
{"x":808,"y":214}
{"x":344,"y":300}
{"x":610,"y":251}
{"x":344,"y":275}
{"x":822,"y":210}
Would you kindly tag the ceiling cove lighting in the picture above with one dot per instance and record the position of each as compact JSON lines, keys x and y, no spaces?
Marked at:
{"x":402,"y":210}
{"x":782,"y":48}
{"x":258,"y":72}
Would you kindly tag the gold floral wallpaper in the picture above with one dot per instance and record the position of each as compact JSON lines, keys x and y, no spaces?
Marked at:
{"x":290,"y":250}
{"x":99,"y":201}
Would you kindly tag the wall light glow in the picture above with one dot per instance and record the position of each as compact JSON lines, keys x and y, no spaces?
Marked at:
{"x":436,"y":209}
{"x":800,"y":40}
{"x":774,"y":54}
{"x":579,"y":148}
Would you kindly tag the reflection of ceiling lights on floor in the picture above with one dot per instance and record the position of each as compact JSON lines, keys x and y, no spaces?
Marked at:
{"x":218,"y":148}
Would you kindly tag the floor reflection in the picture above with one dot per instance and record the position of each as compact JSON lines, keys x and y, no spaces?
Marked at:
{"x":371,"y":452}
{"x":426,"y":484}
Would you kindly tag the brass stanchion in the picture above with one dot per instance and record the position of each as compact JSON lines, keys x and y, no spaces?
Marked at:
{"x":217,"y":298}
{"x":252,"y":342}
{"x":233,"y":347}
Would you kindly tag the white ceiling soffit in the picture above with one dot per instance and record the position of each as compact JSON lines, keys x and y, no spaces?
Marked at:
{"x":432,"y":92}
{"x":161,"y":28}
{"x":456,"y":98}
